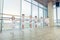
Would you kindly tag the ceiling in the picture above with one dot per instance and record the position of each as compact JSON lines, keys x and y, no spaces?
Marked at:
{"x":45,"y":2}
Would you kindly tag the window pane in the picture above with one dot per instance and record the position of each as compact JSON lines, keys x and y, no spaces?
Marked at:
{"x":45,"y":13}
{"x":40,"y":12}
{"x":11,"y":8}
{"x":26,"y":10}
{"x":41,"y":16}
{"x":58,"y":11}
{"x":54,"y":10}
{"x":34,"y":11}
{"x":55,"y":16}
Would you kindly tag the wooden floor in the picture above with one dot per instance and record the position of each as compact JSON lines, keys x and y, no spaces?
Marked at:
{"x":45,"y":33}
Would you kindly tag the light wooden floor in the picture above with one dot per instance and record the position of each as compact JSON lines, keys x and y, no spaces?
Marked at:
{"x":45,"y":33}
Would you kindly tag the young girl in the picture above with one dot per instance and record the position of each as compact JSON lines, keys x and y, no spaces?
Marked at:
{"x":47,"y":21}
{"x":30,"y":21}
{"x":36,"y":20}
{"x":22,"y":19}
{"x":13,"y":24}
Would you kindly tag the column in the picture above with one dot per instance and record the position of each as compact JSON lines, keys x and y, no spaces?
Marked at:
{"x":50,"y":14}
{"x":1,"y":13}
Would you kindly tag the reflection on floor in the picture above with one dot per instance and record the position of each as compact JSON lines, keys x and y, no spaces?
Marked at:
{"x":45,"y":33}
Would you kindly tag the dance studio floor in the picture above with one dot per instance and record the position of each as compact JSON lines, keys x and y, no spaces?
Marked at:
{"x":45,"y":33}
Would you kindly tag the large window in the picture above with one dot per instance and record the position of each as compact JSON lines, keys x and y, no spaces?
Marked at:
{"x":56,"y":15}
{"x":54,"y":11}
{"x":58,"y":12}
{"x":18,"y":7}
{"x":34,"y":11}
{"x":11,"y":8}
{"x":40,"y":12}
{"x":26,"y":10}
{"x":45,"y":13}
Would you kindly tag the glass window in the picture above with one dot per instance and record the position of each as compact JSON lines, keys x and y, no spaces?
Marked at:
{"x":26,"y":10}
{"x":11,"y":8}
{"x":55,"y":15}
{"x":54,"y":11}
{"x":45,"y":13}
{"x":40,"y":12}
{"x":58,"y":12}
{"x":34,"y":11}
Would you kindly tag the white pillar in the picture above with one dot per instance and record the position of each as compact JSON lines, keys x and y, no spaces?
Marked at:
{"x":50,"y":14}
